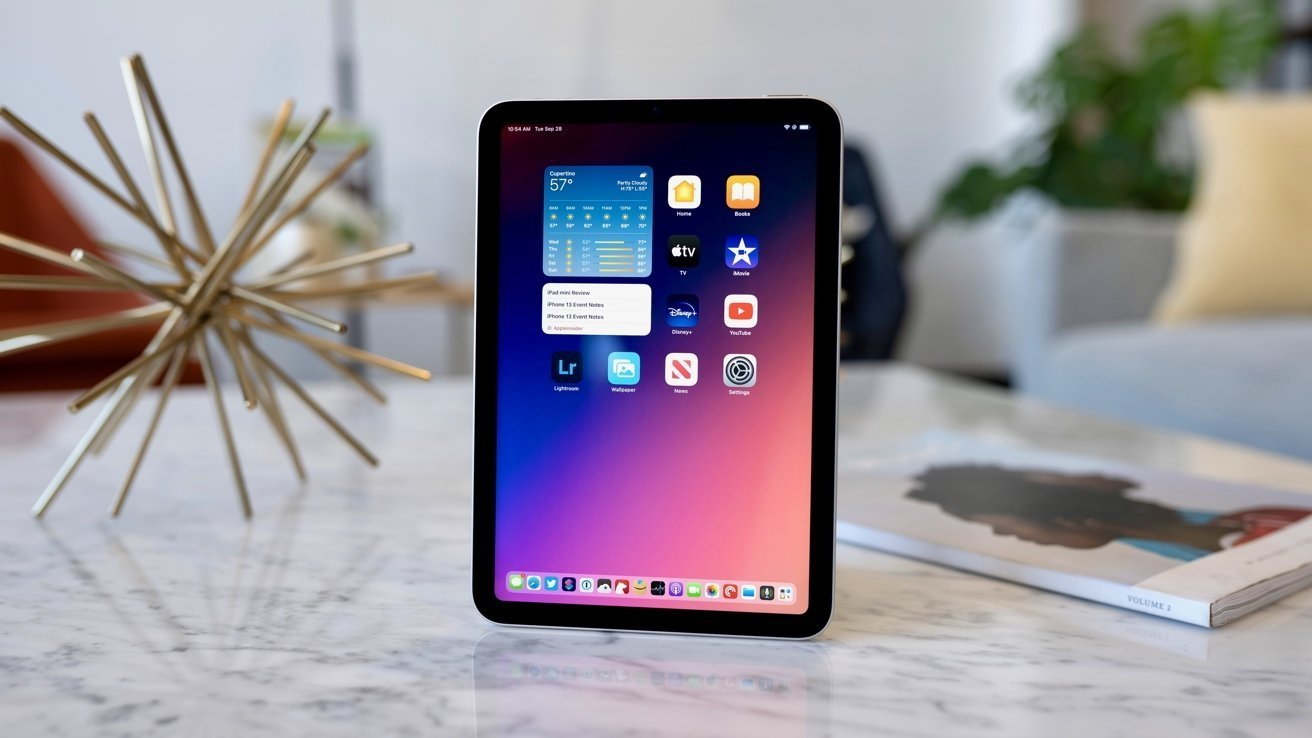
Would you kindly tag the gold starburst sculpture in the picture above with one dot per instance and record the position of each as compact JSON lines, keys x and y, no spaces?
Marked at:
{"x":204,"y":298}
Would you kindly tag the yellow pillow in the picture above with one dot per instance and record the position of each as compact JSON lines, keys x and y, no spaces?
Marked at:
{"x":1245,"y":246}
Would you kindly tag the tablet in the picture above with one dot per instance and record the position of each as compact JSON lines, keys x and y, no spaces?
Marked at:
{"x":655,"y":364}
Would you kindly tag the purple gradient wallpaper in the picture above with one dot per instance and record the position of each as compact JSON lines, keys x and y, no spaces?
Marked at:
{"x":697,"y":486}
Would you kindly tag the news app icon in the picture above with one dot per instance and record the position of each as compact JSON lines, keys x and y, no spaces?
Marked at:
{"x":623,"y":367}
{"x":739,"y":370}
{"x":740,"y":311}
{"x":682,"y":311}
{"x":683,"y":252}
{"x":681,"y":370}
{"x":741,"y":252}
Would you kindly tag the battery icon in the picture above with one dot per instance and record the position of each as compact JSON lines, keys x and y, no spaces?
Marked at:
{"x":805,"y":126}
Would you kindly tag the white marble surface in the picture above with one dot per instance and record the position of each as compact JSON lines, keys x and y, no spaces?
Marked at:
{"x":343,"y":608}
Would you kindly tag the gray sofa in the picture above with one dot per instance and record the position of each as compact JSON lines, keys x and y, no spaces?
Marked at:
{"x":1081,"y":289}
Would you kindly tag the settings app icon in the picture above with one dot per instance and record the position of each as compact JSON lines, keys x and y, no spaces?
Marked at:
{"x":740,"y":370}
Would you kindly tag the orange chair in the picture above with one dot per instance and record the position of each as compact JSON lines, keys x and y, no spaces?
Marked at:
{"x":30,"y":209}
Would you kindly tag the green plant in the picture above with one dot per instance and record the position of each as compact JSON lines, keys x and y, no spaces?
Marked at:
{"x":1101,"y":144}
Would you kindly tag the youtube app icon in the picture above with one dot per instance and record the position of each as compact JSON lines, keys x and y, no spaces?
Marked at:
{"x":740,"y":311}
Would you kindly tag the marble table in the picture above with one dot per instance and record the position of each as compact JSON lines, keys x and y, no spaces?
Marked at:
{"x":343,"y":608}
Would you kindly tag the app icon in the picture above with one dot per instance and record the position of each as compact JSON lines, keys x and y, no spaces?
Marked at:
{"x":604,"y":586}
{"x":694,"y":589}
{"x":730,"y":591}
{"x":767,"y":592}
{"x":712,"y":590}
{"x":742,"y":191}
{"x":742,"y":252}
{"x":740,"y":311}
{"x":640,"y":586}
{"x":685,"y":191}
{"x":623,"y":367}
{"x":567,"y":367}
{"x":740,"y":370}
{"x":586,"y":584}
{"x":568,"y":584}
{"x":676,"y":589}
{"x":534,"y":582}
{"x":515,"y":581}
{"x":682,"y":311}
{"x":684,"y":252}
{"x":749,"y":591}
{"x":550,"y":583}
{"x":681,"y":370}
{"x":621,"y":586}
{"x":657,"y":588}
{"x":785,"y":593}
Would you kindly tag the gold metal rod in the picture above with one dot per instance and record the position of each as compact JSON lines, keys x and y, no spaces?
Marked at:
{"x":136,"y":387}
{"x":43,"y":253}
{"x":131,"y":253}
{"x":303,"y":140}
{"x":410,"y":281}
{"x":336,"y":265}
{"x":170,"y":381}
{"x":238,"y":366}
{"x":166,"y":242}
{"x":41,"y":282}
{"x":30,"y":133}
{"x":276,"y":194}
{"x":276,"y":131}
{"x":314,"y":406}
{"x":328,"y":180}
{"x":292,"y":263}
{"x":268,"y":397}
{"x":285,"y":309}
{"x":203,"y":234}
{"x":341,"y":367}
{"x":146,"y":135}
{"x":109,"y":271}
{"x":216,"y":395}
{"x":354,"y":353}
{"x":131,"y":367}
{"x":75,"y":457}
{"x":15,"y":340}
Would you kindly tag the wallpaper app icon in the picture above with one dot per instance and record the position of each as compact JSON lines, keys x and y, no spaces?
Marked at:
{"x":623,"y":368}
{"x":534,"y":582}
{"x":682,"y":311}
{"x":739,"y":370}
{"x":681,"y":370}
{"x":604,"y":586}
{"x":742,"y":191}
{"x":694,"y":589}
{"x":685,"y":191}
{"x":749,"y":591}
{"x":586,"y":585}
{"x":657,"y":588}
{"x":676,"y":589}
{"x":767,"y":592}
{"x":683,"y":252}
{"x":568,"y":584}
{"x":742,"y":252}
{"x":550,"y":583}
{"x":712,"y":590}
{"x":567,"y":367}
{"x":740,"y":311}
{"x":730,"y":591}
{"x":515,"y":581}
{"x":622,"y":587}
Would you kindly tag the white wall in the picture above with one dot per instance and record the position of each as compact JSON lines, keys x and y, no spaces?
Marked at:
{"x":926,"y":83}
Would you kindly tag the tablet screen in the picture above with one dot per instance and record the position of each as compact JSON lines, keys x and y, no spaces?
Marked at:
{"x":655,"y":368}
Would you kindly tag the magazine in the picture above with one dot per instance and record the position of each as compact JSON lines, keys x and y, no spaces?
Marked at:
{"x":1181,"y":547}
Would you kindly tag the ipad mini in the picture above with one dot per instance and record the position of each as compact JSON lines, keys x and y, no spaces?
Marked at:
{"x":655,"y":364}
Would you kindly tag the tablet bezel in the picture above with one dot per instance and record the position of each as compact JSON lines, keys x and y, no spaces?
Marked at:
{"x":827,"y":128}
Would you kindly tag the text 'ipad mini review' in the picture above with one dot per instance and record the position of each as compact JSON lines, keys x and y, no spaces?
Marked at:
{"x":655,"y":364}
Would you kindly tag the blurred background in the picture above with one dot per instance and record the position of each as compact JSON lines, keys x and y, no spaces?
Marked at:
{"x":989,"y":140}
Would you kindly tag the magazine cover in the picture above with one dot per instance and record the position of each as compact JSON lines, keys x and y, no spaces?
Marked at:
{"x":1181,"y":547}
